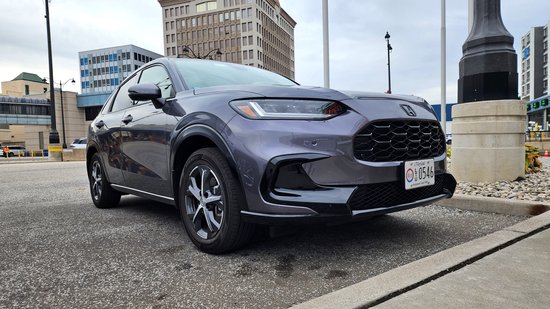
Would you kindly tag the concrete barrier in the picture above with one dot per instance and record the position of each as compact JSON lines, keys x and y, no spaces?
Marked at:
{"x":74,"y":155}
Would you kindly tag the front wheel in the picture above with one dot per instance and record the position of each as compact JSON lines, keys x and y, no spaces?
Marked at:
{"x":103,"y":195}
{"x":210,"y":203}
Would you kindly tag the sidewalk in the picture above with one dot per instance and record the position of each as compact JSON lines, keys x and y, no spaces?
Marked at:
{"x":14,"y":160}
{"x":507,"y":269}
{"x":517,"y":276}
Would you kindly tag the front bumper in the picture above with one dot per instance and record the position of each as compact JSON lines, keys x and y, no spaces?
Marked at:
{"x":287,"y":183}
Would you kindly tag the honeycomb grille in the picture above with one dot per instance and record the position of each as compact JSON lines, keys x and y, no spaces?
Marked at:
{"x":389,"y":194}
{"x":399,"y":140}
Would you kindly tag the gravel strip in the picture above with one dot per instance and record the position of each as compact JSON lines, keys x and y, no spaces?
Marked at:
{"x":533,"y":188}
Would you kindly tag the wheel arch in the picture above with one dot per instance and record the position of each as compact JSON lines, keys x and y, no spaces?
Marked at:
{"x":90,"y":151}
{"x":190,"y":140}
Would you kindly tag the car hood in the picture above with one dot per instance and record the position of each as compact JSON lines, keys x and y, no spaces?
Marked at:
{"x":369,"y":104}
{"x":389,"y":106}
{"x":290,"y":92}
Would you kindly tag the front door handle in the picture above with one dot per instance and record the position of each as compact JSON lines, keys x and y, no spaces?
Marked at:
{"x":127,"y":119}
{"x":100,"y":124}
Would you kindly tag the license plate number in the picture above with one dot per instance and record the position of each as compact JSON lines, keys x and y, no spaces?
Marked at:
{"x":419,"y":174}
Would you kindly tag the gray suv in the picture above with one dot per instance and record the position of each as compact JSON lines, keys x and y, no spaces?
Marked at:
{"x":233,"y":146}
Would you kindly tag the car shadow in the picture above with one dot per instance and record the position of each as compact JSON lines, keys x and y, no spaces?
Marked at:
{"x":387,"y":229}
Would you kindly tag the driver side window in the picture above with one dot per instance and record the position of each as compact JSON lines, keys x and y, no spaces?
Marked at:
{"x":157,"y":75}
{"x":122,"y":100}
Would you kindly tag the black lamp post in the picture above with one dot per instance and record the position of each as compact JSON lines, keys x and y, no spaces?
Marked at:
{"x":61,"y":84}
{"x":387,"y":37}
{"x":54,"y":136}
{"x":209,"y":55}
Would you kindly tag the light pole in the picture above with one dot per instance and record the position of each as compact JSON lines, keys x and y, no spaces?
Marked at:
{"x":387,"y":37}
{"x":54,"y":136}
{"x":209,"y":55}
{"x":61,"y":84}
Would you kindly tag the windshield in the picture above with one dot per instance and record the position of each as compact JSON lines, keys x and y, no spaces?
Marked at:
{"x":203,"y":73}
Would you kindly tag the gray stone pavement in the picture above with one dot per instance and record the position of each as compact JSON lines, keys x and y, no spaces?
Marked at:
{"x":507,"y":269}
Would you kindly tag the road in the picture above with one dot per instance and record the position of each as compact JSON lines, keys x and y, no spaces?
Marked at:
{"x":58,"y":250}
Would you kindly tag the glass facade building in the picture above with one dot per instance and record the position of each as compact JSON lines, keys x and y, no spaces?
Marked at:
{"x":102,"y":70}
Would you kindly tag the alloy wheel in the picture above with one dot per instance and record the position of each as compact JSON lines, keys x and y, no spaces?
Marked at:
{"x":97,"y":179}
{"x":204,"y":202}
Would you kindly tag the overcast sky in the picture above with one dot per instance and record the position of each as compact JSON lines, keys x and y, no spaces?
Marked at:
{"x":358,"y":56}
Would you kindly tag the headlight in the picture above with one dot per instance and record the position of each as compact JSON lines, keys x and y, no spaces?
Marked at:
{"x":288,"y":109}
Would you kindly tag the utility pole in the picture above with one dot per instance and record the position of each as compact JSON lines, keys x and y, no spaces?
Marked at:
{"x":54,"y":135}
{"x":443,"y":68}
{"x":326,"y":45}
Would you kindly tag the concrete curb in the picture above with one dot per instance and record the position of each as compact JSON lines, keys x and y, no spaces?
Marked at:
{"x":397,"y":281}
{"x":25,"y":160}
{"x":495,"y":205}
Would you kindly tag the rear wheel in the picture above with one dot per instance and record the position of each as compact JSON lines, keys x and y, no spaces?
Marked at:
{"x":103,"y":195}
{"x":210,"y":203}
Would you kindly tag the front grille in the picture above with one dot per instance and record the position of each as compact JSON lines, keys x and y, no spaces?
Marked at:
{"x":399,"y":140}
{"x":389,"y":194}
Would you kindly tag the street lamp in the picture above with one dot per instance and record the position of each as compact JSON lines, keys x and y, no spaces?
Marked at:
{"x":54,"y":136}
{"x":61,"y":84}
{"x":209,"y":55}
{"x":387,"y":37}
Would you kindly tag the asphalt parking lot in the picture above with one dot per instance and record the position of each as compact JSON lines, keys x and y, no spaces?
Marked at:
{"x":58,"y":250}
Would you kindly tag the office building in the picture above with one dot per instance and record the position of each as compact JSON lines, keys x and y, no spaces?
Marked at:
{"x":25,"y":113}
{"x":102,"y":70}
{"x":24,"y":84}
{"x":252,"y":32}
{"x":534,"y":63}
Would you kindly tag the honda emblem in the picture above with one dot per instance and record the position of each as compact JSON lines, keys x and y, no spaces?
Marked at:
{"x":408,"y":110}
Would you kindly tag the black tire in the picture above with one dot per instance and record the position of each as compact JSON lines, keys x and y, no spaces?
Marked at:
{"x":210,"y":210}
{"x":103,"y":195}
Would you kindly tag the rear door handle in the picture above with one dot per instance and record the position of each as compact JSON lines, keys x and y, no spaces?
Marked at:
{"x":127,"y":119}
{"x":100,"y":124}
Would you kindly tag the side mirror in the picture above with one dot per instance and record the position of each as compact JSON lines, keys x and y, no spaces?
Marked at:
{"x":146,"y":92}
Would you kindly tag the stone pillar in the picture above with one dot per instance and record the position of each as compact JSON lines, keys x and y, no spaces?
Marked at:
{"x":488,"y":141}
{"x":489,"y":123}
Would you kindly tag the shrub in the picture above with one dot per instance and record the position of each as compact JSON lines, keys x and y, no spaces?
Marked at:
{"x":532,"y":161}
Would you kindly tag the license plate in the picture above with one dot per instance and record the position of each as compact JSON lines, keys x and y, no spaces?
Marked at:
{"x":419,"y":174}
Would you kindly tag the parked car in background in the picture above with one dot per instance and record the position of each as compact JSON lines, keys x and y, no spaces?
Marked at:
{"x":79,"y":143}
{"x":15,"y":150}
{"x":232,"y":146}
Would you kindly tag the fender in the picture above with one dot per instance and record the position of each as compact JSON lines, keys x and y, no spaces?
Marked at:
{"x":206,"y":131}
